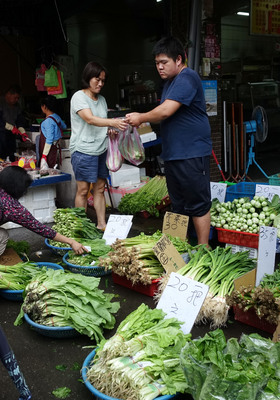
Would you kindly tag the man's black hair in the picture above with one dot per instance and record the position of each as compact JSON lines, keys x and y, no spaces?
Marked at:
{"x":15,"y":181}
{"x":171,"y":46}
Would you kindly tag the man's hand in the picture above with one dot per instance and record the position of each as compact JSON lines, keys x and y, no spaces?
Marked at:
{"x":133,"y":119}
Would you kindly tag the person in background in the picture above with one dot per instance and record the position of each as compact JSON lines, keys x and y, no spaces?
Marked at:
{"x":14,"y":182}
{"x":51,"y":132}
{"x":185,"y":133}
{"x":12,"y":122}
{"x":9,"y":361}
{"x":89,"y":139}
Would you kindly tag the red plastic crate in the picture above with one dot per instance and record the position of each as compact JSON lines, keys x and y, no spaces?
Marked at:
{"x":165,"y":202}
{"x":149,"y":290}
{"x":241,"y":238}
{"x":250,"y":318}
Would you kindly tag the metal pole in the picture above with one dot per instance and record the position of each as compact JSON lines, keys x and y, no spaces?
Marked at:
{"x":198,"y":36}
{"x":192,"y":35}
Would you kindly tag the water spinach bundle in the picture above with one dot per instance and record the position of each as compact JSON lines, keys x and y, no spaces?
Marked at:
{"x":135,"y":259}
{"x":147,"y":198}
{"x":58,"y":299}
{"x":142,"y":360}
{"x":16,"y":277}
{"x":98,"y":248}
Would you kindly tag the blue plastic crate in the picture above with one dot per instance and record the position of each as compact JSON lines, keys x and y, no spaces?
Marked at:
{"x":242,"y":189}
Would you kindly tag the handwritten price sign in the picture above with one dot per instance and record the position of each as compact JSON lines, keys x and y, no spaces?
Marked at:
{"x":118,"y":227}
{"x":267,"y":191}
{"x":218,"y":191}
{"x":266,"y":253}
{"x":182,"y":298}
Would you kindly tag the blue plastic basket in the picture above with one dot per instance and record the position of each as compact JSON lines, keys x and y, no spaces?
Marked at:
{"x":86,"y":365}
{"x":17,"y":295}
{"x":242,"y":189}
{"x":52,"y":331}
{"x":89,"y":270}
{"x":59,"y":251}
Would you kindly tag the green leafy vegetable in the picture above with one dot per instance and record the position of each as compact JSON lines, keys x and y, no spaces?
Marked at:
{"x":62,"y":392}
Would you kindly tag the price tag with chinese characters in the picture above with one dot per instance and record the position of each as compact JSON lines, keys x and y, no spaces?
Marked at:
{"x":175,"y":225}
{"x":218,"y":191}
{"x":267,"y":191}
{"x":167,"y":254}
{"x":118,"y":227}
{"x":266,"y":252}
{"x":182,"y":298}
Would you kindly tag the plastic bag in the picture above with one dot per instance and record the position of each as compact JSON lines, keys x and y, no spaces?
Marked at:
{"x":51,"y":78}
{"x":114,"y":158}
{"x":131,"y":146}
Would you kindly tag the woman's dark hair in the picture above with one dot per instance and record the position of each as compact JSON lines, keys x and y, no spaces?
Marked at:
{"x":171,"y":46}
{"x":92,"y":70}
{"x":15,"y":181}
{"x":50,"y":102}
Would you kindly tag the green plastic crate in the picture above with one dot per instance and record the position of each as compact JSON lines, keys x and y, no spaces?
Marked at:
{"x":274,"y":179}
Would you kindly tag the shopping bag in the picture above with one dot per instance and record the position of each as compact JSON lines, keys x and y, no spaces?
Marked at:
{"x":131,"y":146}
{"x":56,"y":89}
{"x":51,"y":78}
{"x":114,"y":158}
{"x":63,"y":95}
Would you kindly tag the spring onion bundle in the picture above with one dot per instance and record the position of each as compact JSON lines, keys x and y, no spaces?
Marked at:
{"x":218,"y":269}
{"x":135,"y":259}
{"x":264,"y":299}
{"x":141,"y":361}
{"x":146,"y":198}
{"x":245,"y":215}
{"x":16,"y":277}
{"x":74,"y":223}
{"x":58,"y":299}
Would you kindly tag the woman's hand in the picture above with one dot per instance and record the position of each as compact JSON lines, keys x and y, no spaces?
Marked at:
{"x":119,"y":124}
{"x":112,"y":133}
{"x":78,"y":248}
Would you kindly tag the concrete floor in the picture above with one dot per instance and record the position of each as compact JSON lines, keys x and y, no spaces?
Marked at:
{"x":38,"y":355}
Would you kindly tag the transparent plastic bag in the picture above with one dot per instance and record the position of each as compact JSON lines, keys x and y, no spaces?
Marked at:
{"x":131,"y":146}
{"x":114,"y":158}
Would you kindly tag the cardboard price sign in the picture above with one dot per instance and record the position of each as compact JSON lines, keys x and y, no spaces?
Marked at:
{"x":167,"y":254}
{"x":175,"y":225}
{"x":182,"y":298}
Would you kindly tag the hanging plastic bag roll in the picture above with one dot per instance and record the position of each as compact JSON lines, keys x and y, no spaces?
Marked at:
{"x":131,"y":146}
{"x":114,"y":158}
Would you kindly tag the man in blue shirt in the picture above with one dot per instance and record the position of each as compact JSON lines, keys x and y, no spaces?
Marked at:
{"x":185,"y":133}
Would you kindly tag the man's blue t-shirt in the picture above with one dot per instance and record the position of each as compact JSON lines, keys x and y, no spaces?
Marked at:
{"x":186,"y":134}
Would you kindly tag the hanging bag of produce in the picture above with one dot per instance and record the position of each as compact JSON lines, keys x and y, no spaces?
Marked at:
{"x":51,"y":78}
{"x":131,"y":146}
{"x":114,"y":158}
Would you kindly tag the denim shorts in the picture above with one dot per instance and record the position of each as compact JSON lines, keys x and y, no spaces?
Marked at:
{"x":89,"y":168}
{"x":188,"y":183}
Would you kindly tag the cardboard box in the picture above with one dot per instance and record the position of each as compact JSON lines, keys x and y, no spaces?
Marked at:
{"x":145,"y":127}
{"x":10,"y":257}
{"x":127,"y":175}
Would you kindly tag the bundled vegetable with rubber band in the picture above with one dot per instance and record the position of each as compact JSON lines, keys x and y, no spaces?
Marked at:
{"x":141,"y":361}
{"x":97,"y":248}
{"x":59,"y":299}
{"x":16,"y":277}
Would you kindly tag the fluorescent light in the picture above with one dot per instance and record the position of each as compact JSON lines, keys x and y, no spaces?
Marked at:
{"x":246,"y":14}
{"x":158,"y":1}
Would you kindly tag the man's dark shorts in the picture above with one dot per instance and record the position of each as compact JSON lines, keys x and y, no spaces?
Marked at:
{"x":188,"y":183}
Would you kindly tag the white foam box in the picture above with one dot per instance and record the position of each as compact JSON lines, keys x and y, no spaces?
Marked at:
{"x":148,"y":137}
{"x":118,"y":193}
{"x":127,"y":175}
{"x":40,"y":201}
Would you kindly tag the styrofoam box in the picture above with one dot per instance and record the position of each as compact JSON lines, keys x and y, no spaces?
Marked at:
{"x":148,"y":137}
{"x":118,"y":193}
{"x":235,"y":248}
{"x":32,"y":135}
{"x":127,"y":175}
{"x":40,"y":201}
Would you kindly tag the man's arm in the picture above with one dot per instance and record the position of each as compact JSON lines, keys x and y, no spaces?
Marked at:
{"x":159,"y":113}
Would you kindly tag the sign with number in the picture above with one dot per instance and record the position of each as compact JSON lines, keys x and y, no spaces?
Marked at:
{"x":267,"y":191}
{"x":182,"y":298}
{"x":266,"y":252}
{"x":167,"y":254}
{"x":218,"y":191}
{"x":175,"y":225}
{"x":118,"y":227}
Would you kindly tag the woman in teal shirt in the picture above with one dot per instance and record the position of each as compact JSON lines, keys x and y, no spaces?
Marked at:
{"x":89,"y":139}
